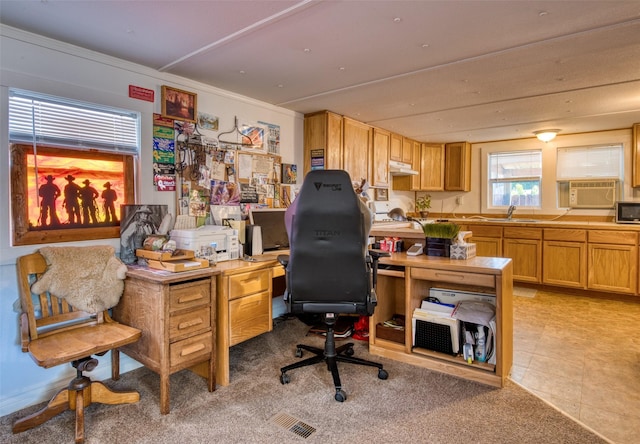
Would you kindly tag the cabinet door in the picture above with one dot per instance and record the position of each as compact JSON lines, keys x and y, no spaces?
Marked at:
{"x":613,"y":268}
{"x":410,"y":183}
{"x":432,"y":167}
{"x":356,"y":149}
{"x":527,"y":258}
{"x":407,"y":150}
{"x":457,"y":169}
{"x":323,"y":139}
{"x":565,"y":264}
{"x":380,"y":161}
{"x":635,"y":148}
{"x":395,"y":149}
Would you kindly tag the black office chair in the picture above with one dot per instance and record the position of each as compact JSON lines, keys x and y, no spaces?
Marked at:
{"x":329,"y":270}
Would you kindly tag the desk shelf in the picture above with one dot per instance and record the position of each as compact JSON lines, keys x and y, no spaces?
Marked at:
{"x":402,"y":293}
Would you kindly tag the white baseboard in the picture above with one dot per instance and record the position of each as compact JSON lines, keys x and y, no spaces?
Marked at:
{"x":43,"y":392}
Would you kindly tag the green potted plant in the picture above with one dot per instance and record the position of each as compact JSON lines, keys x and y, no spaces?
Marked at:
{"x":423,"y":203}
{"x":439,"y":237}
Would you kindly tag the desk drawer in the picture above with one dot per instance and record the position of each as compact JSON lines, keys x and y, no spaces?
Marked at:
{"x":190,"y":294}
{"x":457,"y":277}
{"x":248,"y":283}
{"x":185,"y":324}
{"x":191,"y":350}
{"x":249,"y":316}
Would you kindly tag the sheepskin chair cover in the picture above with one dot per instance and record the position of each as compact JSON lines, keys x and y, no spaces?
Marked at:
{"x":89,"y":278}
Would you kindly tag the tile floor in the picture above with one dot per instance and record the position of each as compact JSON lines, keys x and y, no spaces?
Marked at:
{"x":582,"y":355}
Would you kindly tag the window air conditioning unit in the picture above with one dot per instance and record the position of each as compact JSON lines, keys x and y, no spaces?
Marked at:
{"x":592,"y":193}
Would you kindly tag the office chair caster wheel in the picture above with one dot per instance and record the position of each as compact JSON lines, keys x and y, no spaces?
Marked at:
{"x":284,"y":379}
{"x":298,"y":353}
{"x":341,"y":395}
{"x":349,"y":351}
{"x":382,"y":374}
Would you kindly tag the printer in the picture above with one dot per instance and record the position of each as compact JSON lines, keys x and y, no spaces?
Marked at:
{"x":203,"y":239}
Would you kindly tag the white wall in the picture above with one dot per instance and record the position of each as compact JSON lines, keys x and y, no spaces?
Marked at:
{"x":38,"y":64}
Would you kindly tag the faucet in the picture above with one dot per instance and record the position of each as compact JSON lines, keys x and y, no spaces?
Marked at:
{"x":510,"y":211}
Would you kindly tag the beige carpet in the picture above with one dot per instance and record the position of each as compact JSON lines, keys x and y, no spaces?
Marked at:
{"x":413,"y":406}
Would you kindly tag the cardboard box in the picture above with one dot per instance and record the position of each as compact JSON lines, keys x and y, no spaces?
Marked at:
{"x":463,"y":251}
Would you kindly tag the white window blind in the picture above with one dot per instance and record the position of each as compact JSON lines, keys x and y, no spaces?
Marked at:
{"x":590,"y":162}
{"x":523,"y":164}
{"x":43,"y":119}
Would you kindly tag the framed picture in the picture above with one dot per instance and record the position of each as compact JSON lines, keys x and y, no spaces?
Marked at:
{"x":178,"y":104}
{"x":381,"y":194}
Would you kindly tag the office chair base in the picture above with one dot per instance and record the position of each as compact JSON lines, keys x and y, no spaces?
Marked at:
{"x":344,"y":353}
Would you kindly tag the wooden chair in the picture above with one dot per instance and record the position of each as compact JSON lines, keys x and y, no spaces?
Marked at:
{"x":54,"y":333}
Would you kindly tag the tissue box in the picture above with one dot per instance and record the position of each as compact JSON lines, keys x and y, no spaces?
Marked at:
{"x":463,"y":251}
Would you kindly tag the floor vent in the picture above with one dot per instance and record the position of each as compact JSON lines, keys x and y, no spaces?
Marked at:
{"x":293,"y":424}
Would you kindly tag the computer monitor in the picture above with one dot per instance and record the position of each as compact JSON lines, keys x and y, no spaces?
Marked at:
{"x":274,"y":231}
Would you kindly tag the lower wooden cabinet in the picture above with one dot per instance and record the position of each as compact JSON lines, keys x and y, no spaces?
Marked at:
{"x":488,"y":239}
{"x":524,"y":247}
{"x":565,"y":257}
{"x":613,"y":261}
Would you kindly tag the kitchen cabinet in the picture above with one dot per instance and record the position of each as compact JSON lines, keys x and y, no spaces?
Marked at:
{"x":380,"y":160}
{"x":356,"y":149}
{"x":635,"y":148}
{"x":524,"y":246}
{"x":401,"y":292}
{"x":488,"y":239}
{"x":612,"y":260}
{"x":457,"y":166}
{"x":565,"y":257}
{"x":408,"y":149}
{"x":428,"y":160}
{"x":395,"y":147}
{"x":323,"y":140}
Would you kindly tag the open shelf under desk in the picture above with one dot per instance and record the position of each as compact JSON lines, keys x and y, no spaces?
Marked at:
{"x":458,"y":359}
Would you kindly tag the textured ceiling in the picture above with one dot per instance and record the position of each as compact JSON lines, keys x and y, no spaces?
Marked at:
{"x":437,"y":71}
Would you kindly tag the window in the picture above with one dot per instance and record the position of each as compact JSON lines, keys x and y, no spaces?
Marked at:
{"x":72,"y":166}
{"x":589,"y":166}
{"x":515,"y":178}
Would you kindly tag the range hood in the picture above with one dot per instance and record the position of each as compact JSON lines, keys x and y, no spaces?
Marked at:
{"x":401,"y":169}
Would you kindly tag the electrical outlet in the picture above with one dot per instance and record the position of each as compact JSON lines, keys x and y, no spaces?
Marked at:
{"x":459,"y":200}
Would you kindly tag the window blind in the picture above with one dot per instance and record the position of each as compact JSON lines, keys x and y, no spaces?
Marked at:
{"x":589,"y":162}
{"x":43,"y":119}
{"x":515,"y":165}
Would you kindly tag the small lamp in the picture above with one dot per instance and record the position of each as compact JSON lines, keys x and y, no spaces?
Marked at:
{"x":546,"y":135}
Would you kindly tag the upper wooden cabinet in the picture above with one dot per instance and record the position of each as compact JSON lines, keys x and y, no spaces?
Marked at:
{"x":322,"y":141}
{"x":635,"y":148}
{"x":380,"y":161}
{"x":457,"y":169}
{"x":356,"y":149}
{"x":395,"y":147}
{"x":428,"y":160}
{"x":408,"y":149}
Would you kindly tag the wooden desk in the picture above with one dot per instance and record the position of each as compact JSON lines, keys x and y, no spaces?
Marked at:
{"x":176,"y":313}
{"x":400,"y":292}
{"x":244,"y":307}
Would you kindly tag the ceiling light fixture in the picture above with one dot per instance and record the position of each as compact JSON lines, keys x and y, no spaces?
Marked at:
{"x":546,"y":135}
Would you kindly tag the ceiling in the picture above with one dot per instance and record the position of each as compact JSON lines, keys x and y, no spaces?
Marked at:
{"x":437,"y":71}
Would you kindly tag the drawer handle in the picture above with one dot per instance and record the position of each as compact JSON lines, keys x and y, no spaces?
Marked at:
{"x":189,"y":298}
{"x":191,"y":350}
{"x":450,"y":275}
{"x":189,"y":324}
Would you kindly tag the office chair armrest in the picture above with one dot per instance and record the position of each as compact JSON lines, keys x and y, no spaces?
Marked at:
{"x":375,"y":255}
{"x":283,"y":259}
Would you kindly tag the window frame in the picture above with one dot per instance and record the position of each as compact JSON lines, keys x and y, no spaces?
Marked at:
{"x":491,"y":182}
